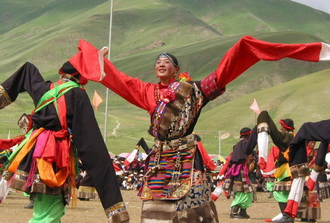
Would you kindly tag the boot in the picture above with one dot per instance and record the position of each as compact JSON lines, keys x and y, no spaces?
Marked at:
{"x":308,"y":220}
{"x":285,"y":219}
{"x":31,"y":204}
{"x":234,"y":212}
{"x":282,"y":206}
{"x":243,"y":213}
{"x":270,"y":194}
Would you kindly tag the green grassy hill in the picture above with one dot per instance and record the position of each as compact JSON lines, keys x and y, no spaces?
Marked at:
{"x":46,"y":33}
{"x":241,"y":16}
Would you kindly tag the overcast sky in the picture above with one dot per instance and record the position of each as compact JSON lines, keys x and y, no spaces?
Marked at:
{"x":322,"y":5}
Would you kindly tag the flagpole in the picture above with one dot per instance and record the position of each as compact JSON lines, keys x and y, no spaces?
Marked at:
{"x":219,"y":138}
{"x":107,"y":89}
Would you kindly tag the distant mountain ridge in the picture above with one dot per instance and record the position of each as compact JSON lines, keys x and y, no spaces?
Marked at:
{"x":28,"y":30}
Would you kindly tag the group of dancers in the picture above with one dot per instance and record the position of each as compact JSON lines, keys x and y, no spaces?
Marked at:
{"x":296,"y":178}
{"x":62,"y":129}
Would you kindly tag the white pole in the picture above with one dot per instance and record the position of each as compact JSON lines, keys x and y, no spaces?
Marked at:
{"x":219,"y":132}
{"x":107,"y":89}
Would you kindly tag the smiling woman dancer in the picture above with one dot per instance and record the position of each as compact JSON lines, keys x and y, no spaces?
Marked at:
{"x":175,"y":188}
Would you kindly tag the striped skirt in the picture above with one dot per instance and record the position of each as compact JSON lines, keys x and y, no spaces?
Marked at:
{"x":195,"y":207}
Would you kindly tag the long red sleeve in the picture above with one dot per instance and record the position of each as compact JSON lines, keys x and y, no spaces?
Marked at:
{"x":92,"y":64}
{"x":248,"y":51}
{"x":205,"y":156}
{"x":131,"y":89}
{"x":225,"y":166}
{"x":87,"y":62}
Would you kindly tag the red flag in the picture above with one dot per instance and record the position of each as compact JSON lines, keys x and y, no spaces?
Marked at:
{"x":116,"y":167}
{"x":255,"y":107}
{"x":97,"y":100}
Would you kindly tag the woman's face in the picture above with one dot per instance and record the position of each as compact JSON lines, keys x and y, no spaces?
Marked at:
{"x":164,"y":69}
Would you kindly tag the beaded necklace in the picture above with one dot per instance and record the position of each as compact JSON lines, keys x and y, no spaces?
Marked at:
{"x":157,"y":94}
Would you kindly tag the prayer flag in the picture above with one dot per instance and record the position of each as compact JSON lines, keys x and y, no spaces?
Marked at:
{"x":255,"y":107}
{"x":97,"y":100}
{"x":131,"y":157}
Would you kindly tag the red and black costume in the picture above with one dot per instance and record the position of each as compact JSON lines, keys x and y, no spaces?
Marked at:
{"x":174,"y":169}
{"x":82,"y":134}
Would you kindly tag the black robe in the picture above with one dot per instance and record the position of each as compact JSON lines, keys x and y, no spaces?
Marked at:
{"x":81,"y":121}
{"x":280,"y":139}
{"x":311,"y":131}
{"x":244,"y":147}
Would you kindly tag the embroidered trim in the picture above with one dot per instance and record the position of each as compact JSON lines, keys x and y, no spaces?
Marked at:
{"x":18,"y":182}
{"x":169,"y":172}
{"x":210,"y":88}
{"x":115,"y":209}
{"x":180,"y":144}
{"x":263,"y":127}
{"x":4,"y":98}
{"x":87,"y":192}
{"x":300,"y":170}
{"x":282,"y":185}
{"x":160,"y":110}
